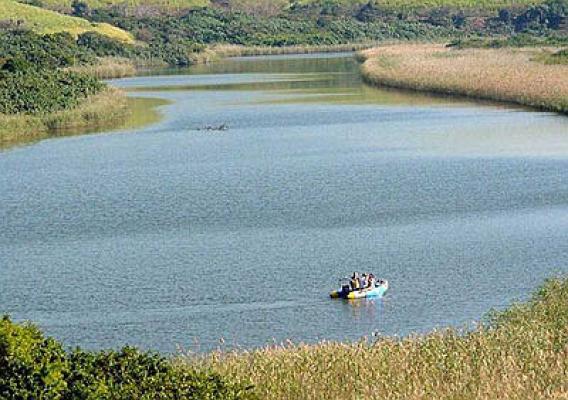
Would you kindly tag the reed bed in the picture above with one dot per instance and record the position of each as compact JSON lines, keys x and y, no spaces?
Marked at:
{"x":108,"y":68}
{"x":228,"y":50}
{"x":508,"y":75}
{"x":520,"y":353}
{"x":102,"y":110}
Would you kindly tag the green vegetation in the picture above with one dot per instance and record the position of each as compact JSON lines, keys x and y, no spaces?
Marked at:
{"x":45,"y":21}
{"x":517,"y":353}
{"x":35,"y":367}
{"x":30,"y":91}
{"x":40,"y":96}
{"x":486,"y":5}
{"x":560,"y":57}
{"x":179,"y":39}
{"x":109,"y":108}
{"x":521,"y":40}
{"x":171,"y":5}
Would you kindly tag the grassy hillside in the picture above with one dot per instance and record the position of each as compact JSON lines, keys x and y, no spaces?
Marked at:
{"x":167,"y":4}
{"x":45,"y":21}
{"x":490,"y":5}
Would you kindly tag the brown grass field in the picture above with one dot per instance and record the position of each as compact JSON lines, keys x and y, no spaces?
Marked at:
{"x":519,"y":353}
{"x":509,"y":75}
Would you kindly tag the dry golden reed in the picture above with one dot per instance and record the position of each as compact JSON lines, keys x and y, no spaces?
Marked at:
{"x":521,"y":353}
{"x":236,"y":50}
{"x":108,"y":68}
{"x":510,"y":75}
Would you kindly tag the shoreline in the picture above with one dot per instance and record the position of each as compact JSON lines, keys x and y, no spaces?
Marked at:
{"x":501,"y":357}
{"x":103,"y":110}
{"x":511,"y":76}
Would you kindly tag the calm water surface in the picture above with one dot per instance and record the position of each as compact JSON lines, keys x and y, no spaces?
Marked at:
{"x":174,"y":236}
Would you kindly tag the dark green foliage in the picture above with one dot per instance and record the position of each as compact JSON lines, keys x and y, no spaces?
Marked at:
{"x":33,"y":367}
{"x":548,"y":15}
{"x":103,"y":46}
{"x":169,"y":34}
{"x":80,"y":9}
{"x":31,"y":91}
{"x":519,"y":40}
{"x":43,"y":51}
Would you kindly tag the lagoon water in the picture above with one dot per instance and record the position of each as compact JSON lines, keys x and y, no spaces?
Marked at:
{"x":172,"y":236}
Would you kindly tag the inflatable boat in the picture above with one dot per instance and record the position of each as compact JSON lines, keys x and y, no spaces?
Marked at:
{"x":346,"y":293}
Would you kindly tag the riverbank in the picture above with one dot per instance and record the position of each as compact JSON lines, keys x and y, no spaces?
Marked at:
{"x":103,"y":110}
{"x":240,"y":51}
{"x":518,"y":353}
{"x":108,"y":68}
{"x":507,"y":75}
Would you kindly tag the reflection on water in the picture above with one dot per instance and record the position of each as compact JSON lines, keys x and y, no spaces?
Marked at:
{"x":305,"y":79}
{"x":177,"y":235}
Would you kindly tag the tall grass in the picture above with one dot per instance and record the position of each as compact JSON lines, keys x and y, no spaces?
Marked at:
{"x":509,"y":75}
{"x":521,"y":353}
{"x":108,"y":68}
{"x":102,"y":110}
{"x":228,"y":50}
{"x":45,"y":21}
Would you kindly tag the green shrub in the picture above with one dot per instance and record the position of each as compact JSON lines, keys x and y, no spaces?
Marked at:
{"x":31,"y":91}
{"x":35,"y":367}
{"x":31,"y":366}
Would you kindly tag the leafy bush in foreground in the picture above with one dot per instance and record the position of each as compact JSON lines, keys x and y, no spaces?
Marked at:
{"x":35,"y":367}
{"x":23,"y":89}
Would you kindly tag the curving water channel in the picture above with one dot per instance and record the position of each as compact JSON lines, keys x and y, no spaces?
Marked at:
{"x":176,"y":236}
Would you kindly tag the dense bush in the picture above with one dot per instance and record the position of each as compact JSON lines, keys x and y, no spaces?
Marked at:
{"x":24,"y":89}
{"x":519,"y":40}
{"x":35,"y":367}
{"x":166,"y":34}
{"x":45,"y":51}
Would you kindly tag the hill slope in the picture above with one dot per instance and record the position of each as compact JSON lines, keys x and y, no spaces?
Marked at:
{"x":163,"y":4}
{"x":486,"y":5}
{"x":489,"y":5}
{"x":46,"y":21}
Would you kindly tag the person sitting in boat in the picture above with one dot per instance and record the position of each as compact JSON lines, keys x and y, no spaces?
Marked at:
{"x":363,"y":281}
{"x":371,"y":283}
{"x":355,"y":281}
